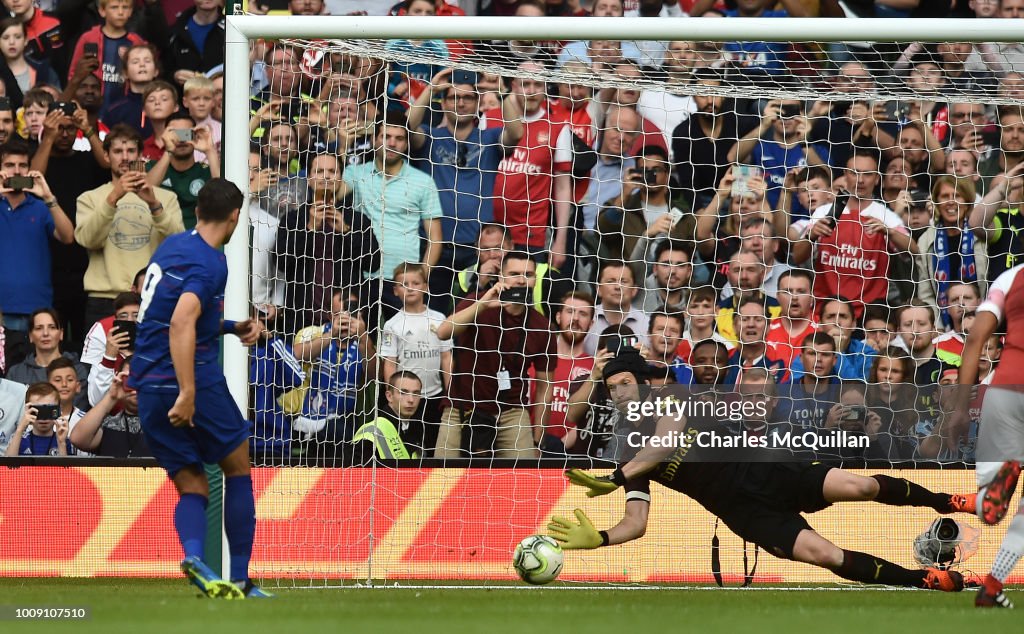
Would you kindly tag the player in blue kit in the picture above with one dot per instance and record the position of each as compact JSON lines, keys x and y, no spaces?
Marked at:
{"x":187,"y":414}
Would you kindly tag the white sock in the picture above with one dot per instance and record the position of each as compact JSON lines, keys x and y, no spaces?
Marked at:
{"x":1011,"y":549}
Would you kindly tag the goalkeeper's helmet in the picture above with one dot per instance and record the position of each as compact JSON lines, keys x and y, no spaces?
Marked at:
{"x":945,"y":542}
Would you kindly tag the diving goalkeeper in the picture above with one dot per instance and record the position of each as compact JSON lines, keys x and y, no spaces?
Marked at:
{"x":761,"y":502}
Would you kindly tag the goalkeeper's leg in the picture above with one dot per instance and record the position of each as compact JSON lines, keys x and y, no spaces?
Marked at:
{"x":812,"y":548}
{"x":843,"y":486}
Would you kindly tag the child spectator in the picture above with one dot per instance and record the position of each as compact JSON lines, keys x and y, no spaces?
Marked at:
{"x":409,"y":342}
{"x":160,"y":101}
{"x":110,"y":39}
{"x":63,"y":375}
{"x":27,"y":72}
{"x":198,"y":99}
{"x":37,"y":106}
{"x":140,"y":68}
{"x":701,"y":312}
{"x":44,"y":33}
{"x":49,"y":434}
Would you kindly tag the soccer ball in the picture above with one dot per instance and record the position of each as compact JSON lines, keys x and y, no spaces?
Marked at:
{"x":538,"y":559}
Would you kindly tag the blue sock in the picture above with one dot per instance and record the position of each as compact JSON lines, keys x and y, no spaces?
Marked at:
{"x":239,"y":523}
{"x":190,"y":522}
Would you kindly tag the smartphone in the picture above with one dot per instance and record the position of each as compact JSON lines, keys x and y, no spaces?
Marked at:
{"x":896,"y":110}
{"x":626,"y":344}
{"x":5,"y":103}
{"x":742,"y":175}
{"x":19,"y":183}
{"x":67,"y":107}
{"x":788,"y":111}
{"x":47,"y":412}
{"x":460,"y":76}
{"x":138,"y":165}
{"x":514,"y":295}
{"x":676,"y":216}
{"x":91,"y":48}
{"x":855,"y":414}
{"x":838,"y":207}
{"x":124,"y":325}
{"x":183,"y":135}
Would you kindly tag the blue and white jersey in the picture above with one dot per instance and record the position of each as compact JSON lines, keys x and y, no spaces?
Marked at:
{"x":183,"y":263}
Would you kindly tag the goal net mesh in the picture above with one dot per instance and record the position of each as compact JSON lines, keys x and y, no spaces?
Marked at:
{"x":678,"y":192}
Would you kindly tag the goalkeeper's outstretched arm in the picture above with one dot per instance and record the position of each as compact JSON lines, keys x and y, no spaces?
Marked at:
{"x":582,"y":535}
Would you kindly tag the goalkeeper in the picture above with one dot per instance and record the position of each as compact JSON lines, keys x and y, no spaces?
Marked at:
{"x":761,"y":502}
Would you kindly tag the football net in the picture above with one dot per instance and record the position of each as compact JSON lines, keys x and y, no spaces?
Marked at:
{"x":664,"y":181}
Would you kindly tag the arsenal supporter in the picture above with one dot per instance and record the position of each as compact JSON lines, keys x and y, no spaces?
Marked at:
{"x":795,"y":323}
{"x":575,"y":105}
{"x":616,"y":290}
{"x":701,"y":309}
{"x":853,"y":356}
{"x":535,"y":179}
{"x":746,"y":274}
{"x":573,"y":321}
{"x":43,"y":32}
{"x":852,"y":245}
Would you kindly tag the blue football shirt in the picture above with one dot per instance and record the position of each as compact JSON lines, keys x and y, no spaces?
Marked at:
{"x":183,"y":263}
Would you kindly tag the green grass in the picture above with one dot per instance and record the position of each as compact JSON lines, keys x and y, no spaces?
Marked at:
{"x":144,"y":606}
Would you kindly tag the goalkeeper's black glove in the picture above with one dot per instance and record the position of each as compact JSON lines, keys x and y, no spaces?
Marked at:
{"x":573,"y":536}
{"x":596,"y":485}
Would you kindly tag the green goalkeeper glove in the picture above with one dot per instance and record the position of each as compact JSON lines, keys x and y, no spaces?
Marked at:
{"x":573,"y":536}
{"x":597,"y":485}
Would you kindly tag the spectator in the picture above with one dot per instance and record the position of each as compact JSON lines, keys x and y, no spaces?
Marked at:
{"x":916,"y":323}
{"x":753,"y":60}
{"x":668,"y":287}
{"x":119,"y":344}
{"x":96,"y":339}
{"x":969,"y":128}
{"x":796,"y":319}
{"x":1003,"y":57}
{"x":996,"y":219}
{"x":964,"y":299}
{"x":12,"y":404}
{"x":30,"y":121}
{"x":950,"y":251}
{"x":964,"y":164}
{"x":511,"y":53}
{"x":343,"y":127}
{"x":1011,"y":145}
{"x":140,"y":68}
{"x":853,"y":356}
{"x":645,"y":213}
{"x":811,"y":402}
{"x":951,"y":58}
{"x":664,"y":106}
{"x":160,"y":102}
{"x":48,"y":436}
{"x":620,"y":129}
{"x":710,"y":362}
{"x":852,"y":247}
{"x":406,"y":80}
{"x":757,"y":236}
{"x":110,"y":38}
{"x":121,"y":223}
{"x":29,"y":217}
{"x":62,"y":374}
{"x":28,"y":72}
{"x":463,"y":160}
{"x":287,"y":191}
{"x":880,"y":325}
{"x":916,"y":144}
{"x":701,"y":310}
{"x":534,"y":183}
{"x":591,"y":409}
{"x":45,"y":337}
{"x":746,"y":274}
{"x":70,"y":173}
{"x":197,"y":97}
{"x":411,"y":202}
{"x":616,"y":290}
{"x":409,"y":342}
{"x":327,"y":244}
{"x":177,"y":169}
{"x":397,"y":432}
{"x":627,"y":97}
{"x":813,"y":188}
{"x":267,"y":283}
{"x":663,"y":338}
{"x":652,"y":53}
{"x":496,"y":343}
{"x":493,"y":242}
{"x":342,"y":357}
{"x":276,"y":379}
{"x":6,"y":122}
{"x":112,"y":427}
{"x":750,"y":322}
{"x":45,"y":35}
{"x":86,"y":93}
{"x":197,"y":41}
{"x":893,"y":434}
{"x":718,"y":233}
{"x":573,"y":321}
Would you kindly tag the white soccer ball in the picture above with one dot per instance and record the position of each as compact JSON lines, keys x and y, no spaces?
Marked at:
{"x":538,"y":559}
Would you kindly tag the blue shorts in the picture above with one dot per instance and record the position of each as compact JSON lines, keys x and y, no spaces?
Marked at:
{"x":219,"y":428}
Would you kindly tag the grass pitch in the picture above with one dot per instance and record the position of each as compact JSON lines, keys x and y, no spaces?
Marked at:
{"x":170,"y":605}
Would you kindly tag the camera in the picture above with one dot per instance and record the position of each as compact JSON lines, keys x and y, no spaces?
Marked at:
{"x":124,"y":325}
{"x":67,"y":107}
{"x":19,"y":183}
{"x":514,"y":295}
{"x":183,"y":135}
{"x":47,"y":411}
{"x":788,"y":111}
{"x":625,"y":344}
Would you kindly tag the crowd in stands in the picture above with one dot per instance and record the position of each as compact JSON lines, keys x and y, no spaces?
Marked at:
{"x":446,"y":259}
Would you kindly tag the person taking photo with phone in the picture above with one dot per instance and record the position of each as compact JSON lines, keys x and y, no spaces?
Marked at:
{"x":48,"y":435}
{"x":178,"y":170}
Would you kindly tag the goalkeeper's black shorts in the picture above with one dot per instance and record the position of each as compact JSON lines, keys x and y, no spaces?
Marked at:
{"x":767,"y":506}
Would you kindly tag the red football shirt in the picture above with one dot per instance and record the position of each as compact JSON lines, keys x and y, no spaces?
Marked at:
{"x":1006,"y":301}
{"x":568,"y":370}
{"x":788,"y":347}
